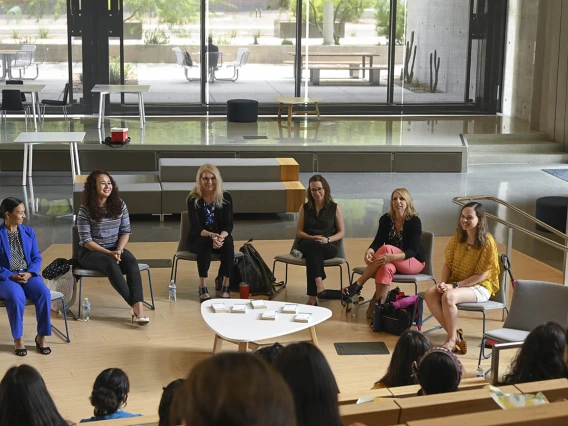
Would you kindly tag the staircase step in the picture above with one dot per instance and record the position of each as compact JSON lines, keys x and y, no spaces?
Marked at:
{"x":478,"y":139}
{"x":517,"y":146}
{"x":506,"y":157}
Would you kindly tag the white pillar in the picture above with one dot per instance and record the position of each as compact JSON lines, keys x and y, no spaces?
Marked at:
{"x":328,"y":9}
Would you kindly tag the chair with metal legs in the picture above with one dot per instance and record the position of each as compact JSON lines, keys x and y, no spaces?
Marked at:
{"x":56,"y":103}
{"x":288,"y":259}
{"x":81,"y":273}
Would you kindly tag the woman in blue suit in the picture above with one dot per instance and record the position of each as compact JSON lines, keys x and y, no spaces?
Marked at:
{"x":20,"y":261}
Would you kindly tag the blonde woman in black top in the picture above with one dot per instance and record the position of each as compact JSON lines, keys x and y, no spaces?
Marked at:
{"x":320,"y":227}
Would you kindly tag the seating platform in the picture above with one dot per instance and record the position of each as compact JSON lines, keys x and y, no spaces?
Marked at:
{"x":257,"y":185}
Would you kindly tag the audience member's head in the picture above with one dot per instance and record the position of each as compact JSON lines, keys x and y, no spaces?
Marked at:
{"x":234,"y":389}
{"x":268,"y":353}
{"x":164,"y":410}
{"x":541,"y":357}
{"x":438,"y":371}
{"x":24,"y":399}
{"x":312,"y":383}
{"x":110,"y":391}
{"x":410,"y":347}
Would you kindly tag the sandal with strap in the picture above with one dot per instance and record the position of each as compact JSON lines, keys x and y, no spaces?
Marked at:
{"x":20,"y":352}
{"x":202,"y":291}
{"x":45,"y":350}
{"x":225,"y":289}
{"x":352,"y":290}
{"x":461,"y":343}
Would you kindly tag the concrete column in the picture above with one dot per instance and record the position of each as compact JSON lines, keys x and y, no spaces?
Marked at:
{"x":328,"y":23}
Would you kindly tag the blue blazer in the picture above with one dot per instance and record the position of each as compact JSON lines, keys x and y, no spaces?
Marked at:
{"x":29,"y":247}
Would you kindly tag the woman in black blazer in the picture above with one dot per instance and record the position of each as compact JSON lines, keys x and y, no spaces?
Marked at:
{"x":396,"y":247}
{"x":210,"y":213}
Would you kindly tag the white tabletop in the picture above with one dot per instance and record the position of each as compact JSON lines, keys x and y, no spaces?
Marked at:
{"x":249,"y":327}
{"x":121,"y":88}
{"x":26,"y":87}
{"x":50,"y":137}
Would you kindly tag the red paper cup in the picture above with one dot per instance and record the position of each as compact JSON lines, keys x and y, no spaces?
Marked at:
{"x":244,"y":290}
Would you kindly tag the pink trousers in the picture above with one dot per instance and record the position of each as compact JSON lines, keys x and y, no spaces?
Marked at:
{"x":407,"y":266}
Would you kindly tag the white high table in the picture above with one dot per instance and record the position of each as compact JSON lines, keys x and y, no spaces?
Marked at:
{"x":246,"y":329}
{"x":33,"y":89}
{"x":107,"y":89}
{"x":29,"y":139}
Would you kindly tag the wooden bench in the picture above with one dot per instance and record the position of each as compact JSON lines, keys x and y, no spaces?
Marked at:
{"x":553,"y":389}
{"x":382,"y":413}
{"x":353,"y":67}
{"x":404,"y":391}
{"x":541,"y":415}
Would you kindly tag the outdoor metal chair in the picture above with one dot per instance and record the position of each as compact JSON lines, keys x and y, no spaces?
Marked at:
{"x":56,"y":103}
{"x":81,"y":273}
{"x":241,"y":59}
{"x":288,"y":259}
{"x":180,"y":60}
{"x":183,"y":253}
{"x":38,"y":63}
{"x":21,"y":63}
{"x":12,"y":101}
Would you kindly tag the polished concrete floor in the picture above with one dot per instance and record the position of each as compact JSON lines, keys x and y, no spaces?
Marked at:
{"x":363,"y":196}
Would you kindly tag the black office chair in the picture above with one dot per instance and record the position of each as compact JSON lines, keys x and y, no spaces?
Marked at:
{"x":12,"y":101}
{"x":56,"y":102}
{"x":18,"y":82}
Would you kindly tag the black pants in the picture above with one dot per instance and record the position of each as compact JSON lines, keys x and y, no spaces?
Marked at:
{"x":130,"y":288}
{"x":203,"y":248}
{"x":315,"y":253}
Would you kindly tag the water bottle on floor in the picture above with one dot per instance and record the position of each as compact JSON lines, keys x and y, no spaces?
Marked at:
{"x":172,"y":291}
{"x":86,"y":309}
{"x":479,"y":372}
{"x":355,"y":306}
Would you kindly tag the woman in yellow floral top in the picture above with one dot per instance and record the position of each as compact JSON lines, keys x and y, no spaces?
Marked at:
{"x":470,"y":273}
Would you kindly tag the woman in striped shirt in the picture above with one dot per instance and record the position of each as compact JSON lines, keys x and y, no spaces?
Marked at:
{"x":104,"y":230}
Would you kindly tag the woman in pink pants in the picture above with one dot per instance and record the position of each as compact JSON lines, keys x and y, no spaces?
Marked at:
{"x":396,"y":247}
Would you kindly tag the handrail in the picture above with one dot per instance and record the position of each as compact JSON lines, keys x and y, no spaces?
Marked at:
{"x":458,"y":200}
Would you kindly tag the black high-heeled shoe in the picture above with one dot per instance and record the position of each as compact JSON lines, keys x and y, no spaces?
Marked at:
{"x":225,"y":289}
{"x":20,"y":352}
{"x":45,"y":350}
{"x":201,"y":291}
{"x":352,"y":290}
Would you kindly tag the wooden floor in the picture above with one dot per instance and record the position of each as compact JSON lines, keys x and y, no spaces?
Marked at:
{"x":177,"y":337}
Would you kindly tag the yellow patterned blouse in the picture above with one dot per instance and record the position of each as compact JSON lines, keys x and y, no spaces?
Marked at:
{"x":465,"y":261}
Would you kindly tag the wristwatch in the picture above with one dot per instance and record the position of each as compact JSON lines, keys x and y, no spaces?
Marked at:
{"x":328,"y":240}
{"x":456,"y":285}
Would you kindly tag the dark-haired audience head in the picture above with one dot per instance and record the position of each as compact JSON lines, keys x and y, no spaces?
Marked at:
{"x":438,"y":371}
{"x":317,"y":182}
{"x":110,"y":391}
{"x":234,"y":389}
{"x":24,"y":399}
{"x":312,"y":383}
{"x":541,"y":357}
{"x":269,"y":353}
{"x":12,"y":209}
{"x":164,"y":410}
{"x":410,"y":347}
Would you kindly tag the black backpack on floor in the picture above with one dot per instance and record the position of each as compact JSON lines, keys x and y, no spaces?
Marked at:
{"x":258,"y":274}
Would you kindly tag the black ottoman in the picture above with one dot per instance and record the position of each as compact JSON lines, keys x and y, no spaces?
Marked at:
{"x":552,"y":211}
{"x":242,"y":110}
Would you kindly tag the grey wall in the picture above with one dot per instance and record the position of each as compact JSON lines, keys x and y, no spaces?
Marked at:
{"x":522,"y":24}
{"x":549,"y":112}
{"x":441,"y":25}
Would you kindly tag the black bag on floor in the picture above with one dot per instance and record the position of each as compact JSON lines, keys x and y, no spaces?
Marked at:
{"x":258,"y":275}
{"x":391,"y":320}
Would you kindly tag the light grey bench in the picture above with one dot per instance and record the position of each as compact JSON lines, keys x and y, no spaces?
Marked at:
{"x":141,"y":193}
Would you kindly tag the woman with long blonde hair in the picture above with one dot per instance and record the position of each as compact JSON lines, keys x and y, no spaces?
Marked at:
{"x":395,"y":249}
{"x":210,"y":211}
